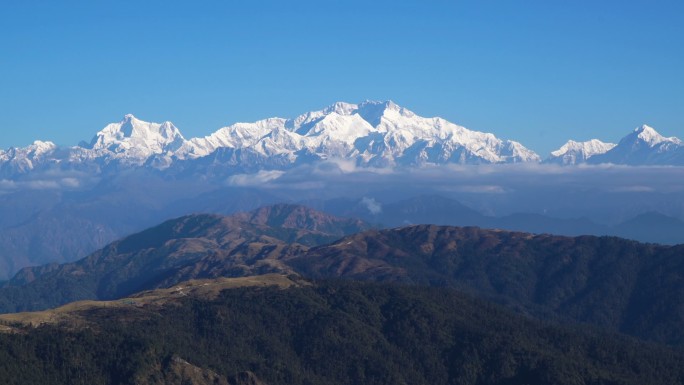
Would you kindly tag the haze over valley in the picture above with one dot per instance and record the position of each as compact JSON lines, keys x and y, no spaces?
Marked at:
{"x":375,"y":161}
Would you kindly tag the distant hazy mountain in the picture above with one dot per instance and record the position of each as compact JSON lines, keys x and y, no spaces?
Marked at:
{"x":195,"y":246}
{"x":431,"y":209}
{"x":53,"y":226}
{"x":614,"y":283}
{"x":652,"y":227}
{"x":290,"y":216}
{"x":421,"y":209}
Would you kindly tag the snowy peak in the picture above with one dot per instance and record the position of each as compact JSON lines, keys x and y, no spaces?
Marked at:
{"x":370,"y":110}
{"x":340,"y":108}
{"x":385,"y":134}
{"x":35,"y":150}
{"x":644,"y":146}
{"x":649,"y":136}
{"x":374,"y":112}
{"x":143,"y":138}
{"x":574,"y":152}
{"x":24,"y":159}
{"x":40,"y":148}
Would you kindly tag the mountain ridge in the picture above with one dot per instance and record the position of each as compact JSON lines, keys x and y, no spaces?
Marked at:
{"x":189,"y":247}
{"x":370,"y":133}
{"x":579,"y":152}
{"x":609,"y":282}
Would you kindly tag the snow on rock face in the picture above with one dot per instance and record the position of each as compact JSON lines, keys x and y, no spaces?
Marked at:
{"x":40,"y":148}
{"x":236,"y":136}
{"x":578,"y":152}
{"x":22,"y":160}
{"x":136,"y":139}
{"x":370,"y":133}
{"x":650,"y":137}
{"x":644,"y":146}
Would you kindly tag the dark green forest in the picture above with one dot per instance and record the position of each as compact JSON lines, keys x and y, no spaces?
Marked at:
{"x":332,"y":332}
{"x":414,"y":305}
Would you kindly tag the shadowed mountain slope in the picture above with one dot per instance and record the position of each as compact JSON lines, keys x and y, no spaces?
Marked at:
{"x":610,"y":282}
{"x":606,"y":281}
{"x":290,"y":216}
{"x":195,"y":246}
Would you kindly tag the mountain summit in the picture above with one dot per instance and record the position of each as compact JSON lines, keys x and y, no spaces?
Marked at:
{"x":136,"y":139}
{"x":644,"y":146}
{"x":579,"y":152}
{"x":648,"y":135}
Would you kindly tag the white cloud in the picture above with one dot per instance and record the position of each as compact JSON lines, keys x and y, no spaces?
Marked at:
{"x":70,"y":182}
{"x":373,"y":206}
{"x":260,"y":179}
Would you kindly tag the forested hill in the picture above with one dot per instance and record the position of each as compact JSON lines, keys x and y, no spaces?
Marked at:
{"x":327,"y":333}
{"x":617,"y":284}
{"x":621,"y":285}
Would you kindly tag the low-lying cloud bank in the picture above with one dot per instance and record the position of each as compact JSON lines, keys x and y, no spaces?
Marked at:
{"x":485,"y":179}
{"x":606,"y":193}
{"x":52,"y":180}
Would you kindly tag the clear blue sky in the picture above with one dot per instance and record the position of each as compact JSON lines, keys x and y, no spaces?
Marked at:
{"x":540,"y":72}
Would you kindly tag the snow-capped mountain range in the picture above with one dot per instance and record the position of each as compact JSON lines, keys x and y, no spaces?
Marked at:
{"x":371,"y":134}
{"x":643,"y":146}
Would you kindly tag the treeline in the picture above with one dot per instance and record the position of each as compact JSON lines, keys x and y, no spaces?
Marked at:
{"x":333,"y":333}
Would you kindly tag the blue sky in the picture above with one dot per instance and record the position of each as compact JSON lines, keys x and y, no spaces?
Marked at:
{"x":539,"y":72}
